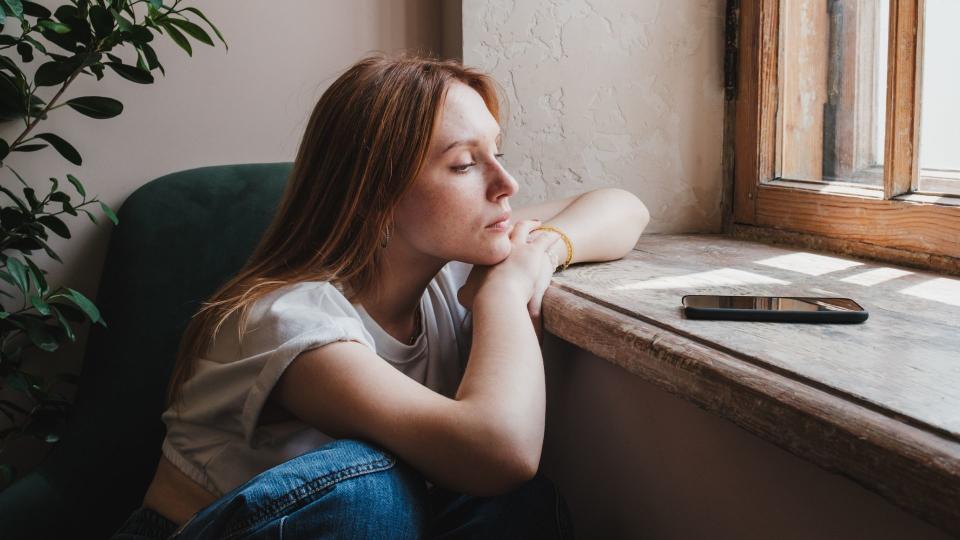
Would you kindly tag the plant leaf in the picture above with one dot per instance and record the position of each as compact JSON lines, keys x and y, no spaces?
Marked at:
{"x":16,"y":7}
{"x":96,"y":106}
{"x":40,"y":334}
{"x":56,"y":225}
{"x":86,"y":305}
{"x":59,"y":196}
{"x":66,"y":149}
{"x":76,"y":184}
{"x":59,"y":28}
{"x":19,"y":274}
{"x":35,"y":10}
{"x":192,"y":29}
{"x":122,"y":23}
{"x":31,"y":197}
{"x":214,"y":28}
{"x":131,"y":73}
{"x":177,"y":36}
{"x":109,"y":212}
{"x":37,"y":275}
{"x":102,"y":21}
{"x":16,"y":199}
{"x":151,"y":57}
{"x":53,"y":255}
{"x":36,"y":44}
{"x":63,"y":322}
{"x":25,"y":51}
{"x":28,"y":147}
{"x":53,"y":73}
{"x":89,"y":215}
{"x":38,"y":303}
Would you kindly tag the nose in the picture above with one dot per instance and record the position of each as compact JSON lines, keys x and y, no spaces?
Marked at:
{"x":501,"y":183}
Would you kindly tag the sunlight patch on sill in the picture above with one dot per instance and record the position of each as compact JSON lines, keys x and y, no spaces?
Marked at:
{"x":721,"y":276}
{"x":944,"y":290}
{"x":809,"y":263}
{"x":877,"y":275}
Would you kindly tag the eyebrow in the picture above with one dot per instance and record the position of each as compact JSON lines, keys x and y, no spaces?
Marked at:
{"x":473,"y":142}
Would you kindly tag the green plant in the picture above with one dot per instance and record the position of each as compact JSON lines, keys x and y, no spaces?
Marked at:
{"x":87,"y":30}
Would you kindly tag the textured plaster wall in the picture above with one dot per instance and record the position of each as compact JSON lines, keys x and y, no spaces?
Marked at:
{"x":620,"y":93}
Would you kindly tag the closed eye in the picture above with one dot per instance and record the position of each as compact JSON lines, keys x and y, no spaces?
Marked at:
{"x":462,"y":169}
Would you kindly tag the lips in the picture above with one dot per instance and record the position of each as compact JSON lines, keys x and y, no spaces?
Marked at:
{"x":502,"y":217}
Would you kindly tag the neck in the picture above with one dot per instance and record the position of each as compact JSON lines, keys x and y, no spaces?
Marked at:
{"x":404,"y":275}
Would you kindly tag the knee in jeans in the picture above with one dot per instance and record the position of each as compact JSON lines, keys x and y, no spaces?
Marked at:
{"x":395,"y":496}
{"x":401,"y":481}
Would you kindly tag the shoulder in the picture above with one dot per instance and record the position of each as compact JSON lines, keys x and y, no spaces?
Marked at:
{"x":306,"y":310}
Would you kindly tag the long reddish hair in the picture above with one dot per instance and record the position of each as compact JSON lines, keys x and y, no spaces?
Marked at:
{"x":365,"y":143}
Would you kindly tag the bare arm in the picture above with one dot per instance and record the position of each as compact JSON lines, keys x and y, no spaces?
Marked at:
{"x":603,"y":224}
{"x":346,"y":391}
{"x":484,"y":442}
{"x":504,"y":376}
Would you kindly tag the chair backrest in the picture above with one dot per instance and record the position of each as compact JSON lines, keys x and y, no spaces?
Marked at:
{"x":179,"y":237}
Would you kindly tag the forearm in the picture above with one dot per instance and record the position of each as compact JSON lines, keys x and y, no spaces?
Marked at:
{"x":504,"y":378}
{"x":603,"y":225}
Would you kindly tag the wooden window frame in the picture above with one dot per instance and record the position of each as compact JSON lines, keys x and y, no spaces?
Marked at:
{"x":895,"y":223}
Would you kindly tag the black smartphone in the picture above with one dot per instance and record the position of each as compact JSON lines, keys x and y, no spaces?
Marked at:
{"x":802,"y":309}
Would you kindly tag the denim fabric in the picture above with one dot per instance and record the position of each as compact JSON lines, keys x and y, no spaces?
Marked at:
{"x":145,"y":524}
{"x":356,"y":489}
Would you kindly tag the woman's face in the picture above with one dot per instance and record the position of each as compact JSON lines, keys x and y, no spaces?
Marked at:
{"x":462,"y":188}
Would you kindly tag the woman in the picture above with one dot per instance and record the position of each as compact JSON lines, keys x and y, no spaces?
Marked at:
{"x":375,"y":372}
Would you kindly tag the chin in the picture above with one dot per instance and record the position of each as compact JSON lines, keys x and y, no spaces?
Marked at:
{"x":488,"y":257}
{"x":495,"y":256}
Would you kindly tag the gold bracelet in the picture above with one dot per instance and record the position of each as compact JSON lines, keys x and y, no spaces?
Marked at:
{"x":566,"y":240}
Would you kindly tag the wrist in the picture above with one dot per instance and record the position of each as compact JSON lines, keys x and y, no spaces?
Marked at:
{"x":561,"y":251}
{"x":497,"y":293}
{"x":557,"y":252}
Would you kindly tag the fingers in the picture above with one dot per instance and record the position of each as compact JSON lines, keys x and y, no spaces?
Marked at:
{"x":522,"y":228}
{"x":545,"y":239}
{"x":533,"y":307}
{"x":543,"y":282}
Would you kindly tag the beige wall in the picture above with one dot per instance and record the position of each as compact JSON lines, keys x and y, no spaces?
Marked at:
{"x":248,"y":104}
{"x":610,"y":93}
{"x":634,"y":461}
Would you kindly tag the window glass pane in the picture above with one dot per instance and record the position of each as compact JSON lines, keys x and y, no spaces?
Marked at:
{"x":939,"y":105}
{"x":832,"y":93}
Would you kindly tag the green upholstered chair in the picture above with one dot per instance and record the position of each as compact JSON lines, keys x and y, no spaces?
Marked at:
{"x":179,"y":237}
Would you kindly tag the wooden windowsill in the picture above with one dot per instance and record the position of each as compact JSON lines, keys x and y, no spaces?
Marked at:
{"x":878,"y":402}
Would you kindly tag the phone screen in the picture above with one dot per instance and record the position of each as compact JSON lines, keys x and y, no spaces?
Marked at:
{"x":771,"y":303}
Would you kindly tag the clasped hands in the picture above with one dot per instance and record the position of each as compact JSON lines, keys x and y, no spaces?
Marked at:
{"x":539,"y":261}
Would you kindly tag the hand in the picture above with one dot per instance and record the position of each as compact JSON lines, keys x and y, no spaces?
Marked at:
{"x":532,"y":254}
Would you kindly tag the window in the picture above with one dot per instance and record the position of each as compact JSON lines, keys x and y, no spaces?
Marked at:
{"x":847,"y":125}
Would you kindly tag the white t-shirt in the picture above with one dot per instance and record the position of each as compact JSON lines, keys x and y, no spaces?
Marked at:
{"x":216,"y":441}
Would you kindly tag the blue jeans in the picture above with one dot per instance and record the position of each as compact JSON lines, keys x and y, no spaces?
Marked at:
{"x":356,"y":489}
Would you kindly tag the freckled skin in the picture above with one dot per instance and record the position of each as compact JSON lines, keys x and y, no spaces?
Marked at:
{"x":444,"y":213}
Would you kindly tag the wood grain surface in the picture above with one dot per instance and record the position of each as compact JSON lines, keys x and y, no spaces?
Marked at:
{"x":878,"y":402}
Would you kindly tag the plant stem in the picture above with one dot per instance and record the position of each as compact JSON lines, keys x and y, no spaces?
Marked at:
{"x":47,"y":108}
